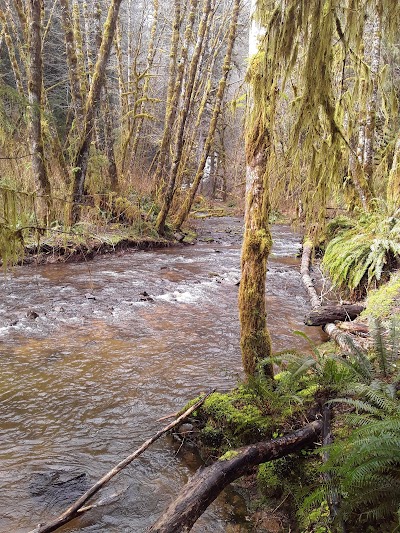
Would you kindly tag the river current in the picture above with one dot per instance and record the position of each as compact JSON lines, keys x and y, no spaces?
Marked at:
{"x":92,"y":354}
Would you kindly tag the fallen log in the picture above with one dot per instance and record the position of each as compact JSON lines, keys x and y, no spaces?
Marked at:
{"x":356,"y":328}
{"x":78,"y":507}
{"x":333,"y":313}
{"x":345,"y":341}
{"x":305,"y":274}
{"x":207,"y":483}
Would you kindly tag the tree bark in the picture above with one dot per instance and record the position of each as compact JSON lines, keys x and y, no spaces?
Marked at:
{"x":35,"y":84}
{"x":305,"y":274}
{"x":174,"y":89}
{"x":207,"y":483}
{"x":187,"y":204}
{"x":333,"y":313}
{"x":82,"y":156}
{"x":255,"y":340}
{"x":11,"y":53}
{"x":393,"y":185}
{"x":72,"y":62}
{"x":370,"y":123}
{"x":182,"y":117}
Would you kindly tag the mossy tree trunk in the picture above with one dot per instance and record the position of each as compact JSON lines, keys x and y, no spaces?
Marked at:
{"x":370,"y":124}
{"x":255,"y":340}
{"x":8,"y":39}
{"x":136,"y":128}
{"x":393,"y":186}
{"x":72,"y":62}
{"x":168,"y":195}
{"x":35,"y":84}
{"x":175,"y":77}
{"x":82,"y":155}
{"x":187,"y":204}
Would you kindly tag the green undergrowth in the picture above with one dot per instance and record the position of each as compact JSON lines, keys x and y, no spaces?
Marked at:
{"x":361,"y":252}
{"x":107,"y":222}
{"x":361,"y":468}
{"x":384,"y":302}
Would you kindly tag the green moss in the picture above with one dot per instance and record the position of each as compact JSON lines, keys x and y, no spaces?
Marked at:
{"x":212,"y":436}
{"x":309,"y":392}
{"x":230,"y":454}
{"x":267,"y":478}
{"x":237,"y":412}
{"x":380,"y":302}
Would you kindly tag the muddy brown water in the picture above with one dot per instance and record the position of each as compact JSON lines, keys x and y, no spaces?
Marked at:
{"x":83,"y":383}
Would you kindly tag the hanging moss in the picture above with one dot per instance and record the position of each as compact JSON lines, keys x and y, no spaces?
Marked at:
{"x":297,"y":73}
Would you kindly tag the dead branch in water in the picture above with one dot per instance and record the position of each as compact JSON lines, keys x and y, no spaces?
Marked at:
{"x":207,"y":483}
{"x":77,"y":508}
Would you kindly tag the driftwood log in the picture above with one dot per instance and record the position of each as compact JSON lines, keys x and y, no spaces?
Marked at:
{"x":333,"y":313}
{"x":207,"y":483}
{"x":78,"y":507}
{"x":345,"y":341}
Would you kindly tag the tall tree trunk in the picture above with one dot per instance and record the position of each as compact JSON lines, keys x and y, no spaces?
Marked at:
{"x":80,"y":53}
{"x":182,"y":117}
{"x":174,"y":88}
{"x":370,"y":123}
{"x":72,"y":62}
{"x":187,"y":204}
{"x":109,"y":141}
{"x":254,"y":336}
{"x":128,"y":156}
{"x":123,"y":97}
{"x":82,"y":156}
{"x":361,"y":162}
{"x":393,"y":185}
{"x":35,"y":84}
{"x":11,"y":53}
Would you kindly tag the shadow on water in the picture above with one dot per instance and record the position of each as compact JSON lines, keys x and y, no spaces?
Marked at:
{"x":116,"y":344}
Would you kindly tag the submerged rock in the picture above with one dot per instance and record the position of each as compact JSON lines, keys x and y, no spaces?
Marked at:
{"x":59,"y":486}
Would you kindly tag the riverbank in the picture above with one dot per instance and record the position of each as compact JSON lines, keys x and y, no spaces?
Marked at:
{"x":84,"y":246}
{"x":87,"y":240}
{"x":295,"y":492}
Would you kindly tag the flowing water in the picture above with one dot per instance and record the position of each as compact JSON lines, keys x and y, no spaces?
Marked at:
{"x":92,"y":354}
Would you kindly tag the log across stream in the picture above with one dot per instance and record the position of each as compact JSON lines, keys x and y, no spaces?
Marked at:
{"x":91,"y":355}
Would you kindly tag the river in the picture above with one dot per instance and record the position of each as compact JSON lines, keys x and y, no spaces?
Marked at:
{"x":92,"y":354}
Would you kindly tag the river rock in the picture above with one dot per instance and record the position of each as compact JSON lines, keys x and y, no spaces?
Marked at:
{"x":89,"y":296}
{"x":59,"y":486}
{"x":32,"y":314}
{"x":184,"y":429}
{"x":145,"y":297}
{"x":179,"y":236}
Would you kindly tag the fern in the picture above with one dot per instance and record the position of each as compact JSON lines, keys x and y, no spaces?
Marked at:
{"x":364,"y":462}
{"x":360,"y":253}
{"x":367,"y":465}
